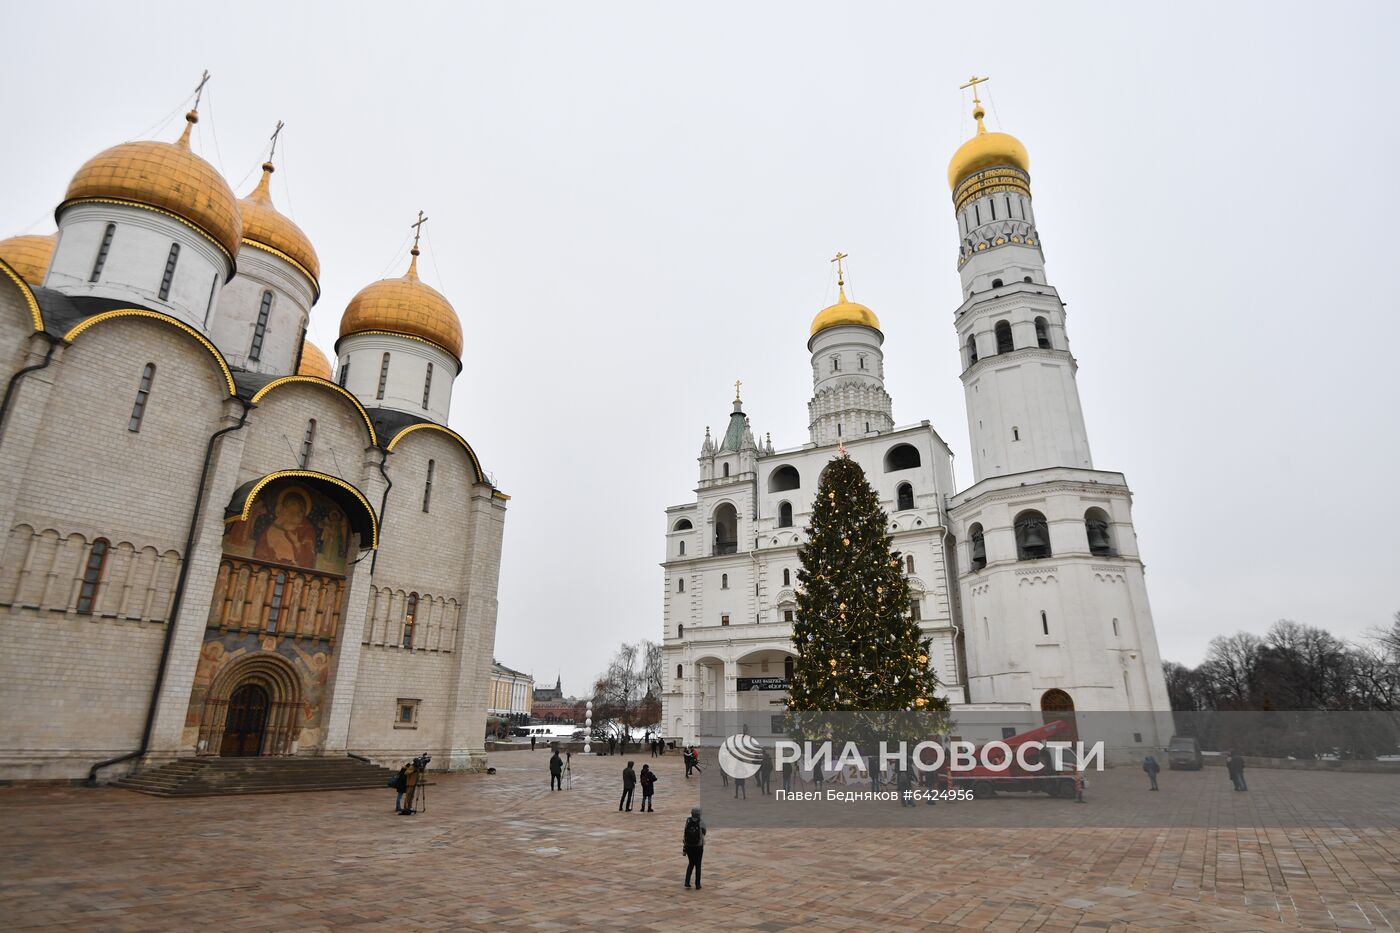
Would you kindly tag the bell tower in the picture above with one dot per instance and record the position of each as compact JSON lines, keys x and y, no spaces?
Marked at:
{"x":1054,"y":598}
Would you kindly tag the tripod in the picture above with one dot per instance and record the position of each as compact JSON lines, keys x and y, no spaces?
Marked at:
{"x":418,"y":790}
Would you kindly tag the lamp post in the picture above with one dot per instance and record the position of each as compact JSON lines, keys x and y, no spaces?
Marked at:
{"x":587,"y":727}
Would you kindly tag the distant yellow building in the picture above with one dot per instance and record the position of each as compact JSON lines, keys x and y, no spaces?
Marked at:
{"x":510,"y":693}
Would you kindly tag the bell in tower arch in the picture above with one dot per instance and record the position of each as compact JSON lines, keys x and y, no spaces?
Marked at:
{"x":1100,"y":544}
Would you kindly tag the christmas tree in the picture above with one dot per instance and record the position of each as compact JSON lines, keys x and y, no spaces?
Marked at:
{"x":857,"y":647}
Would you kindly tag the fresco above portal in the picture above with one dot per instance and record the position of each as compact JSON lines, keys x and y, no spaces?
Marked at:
{"x":293,"y":524}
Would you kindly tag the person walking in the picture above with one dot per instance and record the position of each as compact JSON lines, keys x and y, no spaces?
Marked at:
{"x":904,"y":785}
{"x":1235,"y":766}
{"x":740,"y":785}
{"x":629,"y":783}
{"x":817,"y":777}
{"x":648,"y":779}
{"x":693,"y":845}
{"x":787,"y":776}
{"x":532,"y":743}
{"x":556,"y":771}
{"x":695,"y":760}
{"x":685,"y":754}
{"x":765,"y":772}
{"x":400,"y":784}
{"x":612,"y":744}
{"x":1149,"y":764}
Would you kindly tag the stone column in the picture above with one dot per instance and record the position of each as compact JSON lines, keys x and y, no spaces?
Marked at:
{"x":340,"y":692}
{"x":173,"y":703}
{"x":465,"y":731}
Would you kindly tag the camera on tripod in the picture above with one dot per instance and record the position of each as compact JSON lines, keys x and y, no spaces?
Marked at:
{"x":420,"y":764}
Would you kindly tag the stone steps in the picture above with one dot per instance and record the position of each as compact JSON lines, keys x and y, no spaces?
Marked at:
{"x":214,"y":777}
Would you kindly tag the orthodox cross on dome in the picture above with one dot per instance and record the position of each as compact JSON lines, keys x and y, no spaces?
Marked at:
{"x":275,"y":133}
{"x":737,"y":384}
{"x":418,"y":231}
{"x":972,"y":82}
{"x":192,"y":117}
{"x":839,"y":258}
{"x":841,"y":449}
{"x":199,"y":88}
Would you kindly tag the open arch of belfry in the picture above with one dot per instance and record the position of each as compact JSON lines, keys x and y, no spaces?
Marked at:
{"x":254,"y":707}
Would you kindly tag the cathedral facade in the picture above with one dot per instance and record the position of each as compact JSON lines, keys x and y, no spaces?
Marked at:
{"x":1028,"y":582}
{"x":214,"y":543}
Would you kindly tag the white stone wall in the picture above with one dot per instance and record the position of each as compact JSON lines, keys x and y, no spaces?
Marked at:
{"x":240,"y":303}
{"x":135,"y":263}
{"x":408,"y":367}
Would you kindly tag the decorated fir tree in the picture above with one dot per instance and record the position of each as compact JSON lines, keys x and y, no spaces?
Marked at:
{"x":857,"y":647}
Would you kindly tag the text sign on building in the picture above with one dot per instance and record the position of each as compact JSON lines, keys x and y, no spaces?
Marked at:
{"x":763,"y":683}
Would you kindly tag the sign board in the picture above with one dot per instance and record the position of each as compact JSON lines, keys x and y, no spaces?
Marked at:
{"x":763,"y":683}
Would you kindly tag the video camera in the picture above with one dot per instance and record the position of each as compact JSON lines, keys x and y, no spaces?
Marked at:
{"x":420,"y":764}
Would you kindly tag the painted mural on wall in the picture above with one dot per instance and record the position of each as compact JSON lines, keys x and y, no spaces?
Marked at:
{"x":310,"y":659}
{"x":293,"y":524}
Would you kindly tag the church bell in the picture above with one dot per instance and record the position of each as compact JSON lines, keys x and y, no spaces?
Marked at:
{"x":1099,"y":542}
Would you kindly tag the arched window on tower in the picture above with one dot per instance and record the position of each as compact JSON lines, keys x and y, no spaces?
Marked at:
{"x":1042,"y":334}
{"x":903,"y":497}
{"x":908,"y":563}
{"x":428,"y":486}
{"x":683,"y":525}
{"x":787,"y":668}
{"x":260,"y":328}
{"x":784,"y":478}
{"x":979,"y":546}
{"x":726,"y":519}
{"x":1100,"y":533}
{"x":409,"y":614}
{"x":996,"y":283}
{"x":680,"y":633}
{"x":1004,"y":342}
{"x":92,"y":575}
{"x":102,"y":252}
{"x":785,"y":515}
{"x":787,"y":577}
{"x":724,"y":581}
{"x":143,"y":395}
{"x":902,"y":457}
{"x":971,"y":349}
{"x":306,"y":444}
{"x":383,"y":376}
{"x":680,"y":585}
{"x":680,"y":671}
{"x":726,"y":469}
{"x":169,"y":277}
{"x":344,"y":371}
{"x":427,"y":386}
{"x":1032,"y":536}
{"x":682,"y":549}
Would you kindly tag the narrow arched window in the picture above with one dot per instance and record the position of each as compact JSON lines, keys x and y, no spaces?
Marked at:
{"x":1115,"y":628}
{"x":383,"y":376}
{"x":102,"y":252}
{"x":682,"y":550}
{"x":1005,"y":344}
{"x":92,"y":575}
{"x":427,"y":385}
{"x":307,"y":442}
{"x":680,"y":633}
{"x":143,"y":395}
{"x":344,"y":372}
{"x":979,"y":546}
{"x":274,"y":608}
{"x":971,"y":349}
{"x":996,"y":283}
{"x":787,"y":668}
{"x":680,"y":585}
{"x":724,"y":581}
{"x":785,"y":515}
{"x":726,"y":469}
{"x":787,"y":577}
{"x":904,"y":497}
{"x":861,"y":358}
{"x":836,"y":364}
{"x":169,"y":276}
{"x":915,"y":608}
{"x":260,"y":329}
{"x":410,"y":612}
{"x":1032,"y":536}
{"x":1042,"y":333}
{"x":428,"y":486}
{"x":680,"y":671}
{"x":908,"y":563}
{"x":1044,"y":623}
{"x":1015,"y":433}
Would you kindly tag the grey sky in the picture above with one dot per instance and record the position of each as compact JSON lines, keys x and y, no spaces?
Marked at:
{"x":632,"y":205}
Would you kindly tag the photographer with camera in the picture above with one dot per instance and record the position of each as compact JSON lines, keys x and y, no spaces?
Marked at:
{"x":414,"y":784}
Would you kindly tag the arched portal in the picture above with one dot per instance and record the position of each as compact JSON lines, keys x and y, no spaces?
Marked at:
{"x":245,"y":724}
{"x":253,"y":708}
{"x":1056,"y":705}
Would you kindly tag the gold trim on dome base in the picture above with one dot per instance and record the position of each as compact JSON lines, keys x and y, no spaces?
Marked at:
{"x":310,"y":474}
{"x":88,"y":323}
{"x":35,"y":315}
{"x":395,"y":333}
{"x":992,"y":180}
{"x":325,"y":384}
{"x":429,"y":426}
{"x":158,"y":210}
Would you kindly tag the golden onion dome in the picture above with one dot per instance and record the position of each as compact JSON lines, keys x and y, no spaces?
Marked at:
{"x":313,"y":361}
{"x":405,"y":306}
{"x":29,"y":256}
{"x":844,"y":312}
{"x":167,"y":177}
{"x":266,"y":227}
{"x":985,"y":150}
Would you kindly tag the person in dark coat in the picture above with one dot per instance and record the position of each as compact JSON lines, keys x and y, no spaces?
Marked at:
{"x":1235,"y":766}
{"x":693,"y":845}
{"x":612,"y":744}
{"x":532,"y":743}
{"x":629,"y":784}
{"x":817,"y":776}
{"x":401,"y":785}
{"x":904,"y":785}
{"x":556,"y":771}
{"x":689,"y":763}
{"x":765,"y":772}
{"x":648,"y":779}
{"x":787,"y":775}
{"x":1149,"y":764}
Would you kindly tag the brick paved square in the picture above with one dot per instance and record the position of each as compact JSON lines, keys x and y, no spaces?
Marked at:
{"x":501,"y":852}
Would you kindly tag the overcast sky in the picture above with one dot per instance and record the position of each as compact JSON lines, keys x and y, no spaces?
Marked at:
{"x":633,"y":205}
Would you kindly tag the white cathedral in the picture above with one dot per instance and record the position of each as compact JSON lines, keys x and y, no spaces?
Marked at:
{"x":209,"y":545}
{"x":1028,"y":582}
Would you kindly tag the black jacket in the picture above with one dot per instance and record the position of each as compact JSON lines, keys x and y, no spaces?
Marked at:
{"x":556,"y":764}
{"x":629,"y":778}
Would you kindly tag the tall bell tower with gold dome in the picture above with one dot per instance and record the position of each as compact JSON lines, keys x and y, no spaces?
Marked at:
{"x":1053,"y":594}
{"x":848,"y":371}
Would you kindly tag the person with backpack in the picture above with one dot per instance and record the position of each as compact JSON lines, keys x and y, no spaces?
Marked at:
{"x":648,"y":780}
{"x":556,"y":771}
{"x":399,"y":782}
{"x":693,"y":845}
{"x":1149,"y":764}
{"x":629,"y":783}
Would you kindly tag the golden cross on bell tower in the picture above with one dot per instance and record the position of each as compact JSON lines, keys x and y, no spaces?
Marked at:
{"x":972,"y":82}
{"x":737,"y":383}
{"x":839,"y":258}
{"x":418,"y":231}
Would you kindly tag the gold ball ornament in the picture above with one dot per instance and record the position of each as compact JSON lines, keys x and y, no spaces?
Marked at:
{"x":921,"y":702}
{"x":845,"y":542}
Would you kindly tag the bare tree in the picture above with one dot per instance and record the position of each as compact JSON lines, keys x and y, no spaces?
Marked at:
{"x":627,"y":697}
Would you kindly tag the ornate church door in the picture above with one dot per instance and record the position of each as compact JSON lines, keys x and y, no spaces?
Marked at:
{"x":246,"y":722}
